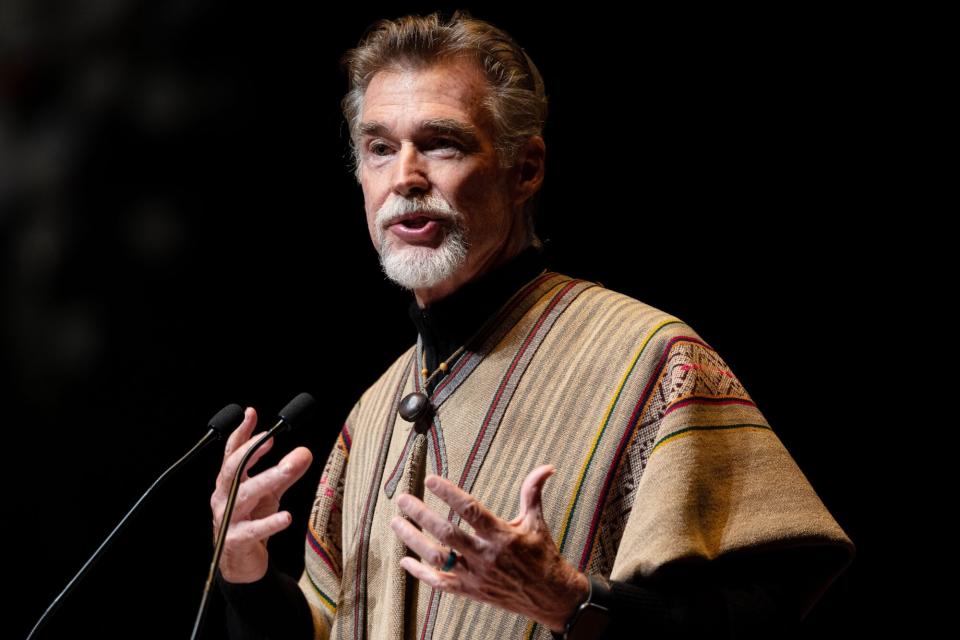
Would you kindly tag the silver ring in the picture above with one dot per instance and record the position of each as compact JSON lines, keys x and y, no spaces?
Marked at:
{"x":451,"y":560}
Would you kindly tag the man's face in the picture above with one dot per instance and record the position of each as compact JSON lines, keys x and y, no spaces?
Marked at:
{"x":440,"y":210}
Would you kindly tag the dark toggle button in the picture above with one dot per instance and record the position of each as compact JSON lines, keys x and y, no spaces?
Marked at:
{"x":414,"y":406}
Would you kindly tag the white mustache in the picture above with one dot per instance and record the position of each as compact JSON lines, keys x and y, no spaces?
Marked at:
{"x":432,"y":206}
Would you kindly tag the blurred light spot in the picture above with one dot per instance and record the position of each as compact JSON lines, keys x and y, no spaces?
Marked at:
{"x":162,"y":102}
{"x":39,"y":249}
{"x":153,"y":233}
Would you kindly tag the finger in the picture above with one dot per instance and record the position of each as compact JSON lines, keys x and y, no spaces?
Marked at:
{"x":254,"y":530}
{"x":531,"y":492}
{"x":429,"y":551}
{"x":273,"y":482}
{"x":255,"y":457}
{"x":242,"y":433}
{"x":469,"y":508}
{"x":445,"y":581}
{"x":229,"y":469}
{"x":441,"y":528}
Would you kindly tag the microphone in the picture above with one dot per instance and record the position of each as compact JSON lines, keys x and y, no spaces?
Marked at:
{"x":224,"y":419}
{"x":218,"y":426}
{"x":292,"y":413}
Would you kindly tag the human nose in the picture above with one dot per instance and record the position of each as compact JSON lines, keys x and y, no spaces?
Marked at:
{"x":410,"y":172}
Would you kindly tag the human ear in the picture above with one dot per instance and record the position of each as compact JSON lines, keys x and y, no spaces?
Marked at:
{"x":529,"y":169}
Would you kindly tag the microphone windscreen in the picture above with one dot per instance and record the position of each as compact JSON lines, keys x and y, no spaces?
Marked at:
{"x":297,"y":408}
{"x":227,"y":418}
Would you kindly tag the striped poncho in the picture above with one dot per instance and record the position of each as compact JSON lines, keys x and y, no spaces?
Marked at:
{"x":661,"y":457}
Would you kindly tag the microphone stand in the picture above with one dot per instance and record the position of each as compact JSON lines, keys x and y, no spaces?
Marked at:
{"x":224,"y":525}
{"x":213,"y":434}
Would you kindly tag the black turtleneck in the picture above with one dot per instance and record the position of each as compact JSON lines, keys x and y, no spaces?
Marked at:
{"x":447,"y":324}
{"x":682,"y":603}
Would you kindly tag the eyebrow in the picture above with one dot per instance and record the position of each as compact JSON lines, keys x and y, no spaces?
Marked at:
{"x":442,"y":126}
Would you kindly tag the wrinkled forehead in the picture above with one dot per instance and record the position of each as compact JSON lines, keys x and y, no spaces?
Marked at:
{"x":449,"y":97}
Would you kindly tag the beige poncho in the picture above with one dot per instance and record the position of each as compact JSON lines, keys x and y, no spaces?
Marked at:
{"x":661,"y":456}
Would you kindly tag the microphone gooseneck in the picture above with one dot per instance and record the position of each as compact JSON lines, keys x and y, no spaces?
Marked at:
{"x":218,"y":426}
{"x":294,"y":411}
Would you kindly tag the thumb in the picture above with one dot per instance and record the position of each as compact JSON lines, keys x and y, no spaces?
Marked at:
{"x":531,"y":490}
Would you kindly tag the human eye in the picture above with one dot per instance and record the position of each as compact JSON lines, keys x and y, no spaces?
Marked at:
{"x":378,"y":148}
{"x":447,"y":145}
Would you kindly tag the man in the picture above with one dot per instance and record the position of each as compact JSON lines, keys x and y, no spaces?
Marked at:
{"x":672,"y":508}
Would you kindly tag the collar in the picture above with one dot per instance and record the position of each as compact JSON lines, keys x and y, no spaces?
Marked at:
{"x":448,"y":323}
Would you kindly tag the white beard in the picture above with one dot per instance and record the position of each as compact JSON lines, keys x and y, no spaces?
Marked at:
{"x":418,"y":267}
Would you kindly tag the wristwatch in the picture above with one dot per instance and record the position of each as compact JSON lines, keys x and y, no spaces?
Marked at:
{"x":592,"y":617}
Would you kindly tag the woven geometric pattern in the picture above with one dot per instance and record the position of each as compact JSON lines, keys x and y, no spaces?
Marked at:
{"x":659,"y":453}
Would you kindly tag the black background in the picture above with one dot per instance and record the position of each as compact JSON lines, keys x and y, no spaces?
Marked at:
{"x":180,"y":231}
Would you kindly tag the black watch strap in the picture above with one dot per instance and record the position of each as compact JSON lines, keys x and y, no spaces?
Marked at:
{"x":592,"y":617}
